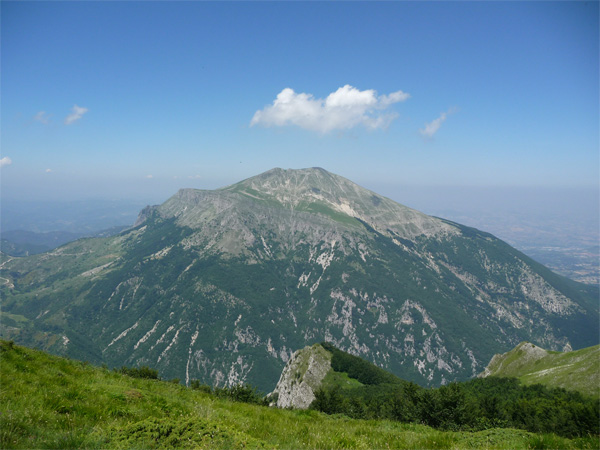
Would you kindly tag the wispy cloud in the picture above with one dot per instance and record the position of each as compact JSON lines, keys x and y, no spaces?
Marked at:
{"x":149,"y":176}
{"x":343,"y":109}
{"x":432,"y":127}
{"x":76,"y":114}
{"x":42,"y":117}
{"x":6,"y":161}
{"x":48,"y":170}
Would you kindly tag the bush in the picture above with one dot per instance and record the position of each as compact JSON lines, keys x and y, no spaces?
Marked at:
{"x":198,"y":386}
{"x":241,"y":393}
{"x":329,"y":401}
{"x":142,"y":372}
{"x":182,"y":432}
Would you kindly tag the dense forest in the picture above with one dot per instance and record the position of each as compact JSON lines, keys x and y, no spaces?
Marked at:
{"x":477,"y":404}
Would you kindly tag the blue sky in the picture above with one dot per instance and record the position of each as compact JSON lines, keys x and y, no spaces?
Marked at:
{"x":138,"y":99}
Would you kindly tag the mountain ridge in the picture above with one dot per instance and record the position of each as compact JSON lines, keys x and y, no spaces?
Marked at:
{"x":575,"y":370}
{"x":302,"y":190}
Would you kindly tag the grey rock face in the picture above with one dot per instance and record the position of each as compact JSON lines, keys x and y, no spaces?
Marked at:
{"x":302,"y":376}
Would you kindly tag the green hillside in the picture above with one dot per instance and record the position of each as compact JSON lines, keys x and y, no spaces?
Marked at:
{"x":577,"y":370}
{"x":52,"y":402}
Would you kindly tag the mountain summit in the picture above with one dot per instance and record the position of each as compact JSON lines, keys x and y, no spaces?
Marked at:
{"x":316,"y":190}
{"x":294,"y":198}
{"x":224,"y":285}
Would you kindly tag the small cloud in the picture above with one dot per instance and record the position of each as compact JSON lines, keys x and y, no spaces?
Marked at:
{"x":432,"y":127}
{"x":42,"y":117}
{"x":76,"y":114}
{"x":194,"y":177}
{"x":6,"y":161}
{"x":149,"y":176}
{"x":343,"y":109}
{"x":48,"y":170}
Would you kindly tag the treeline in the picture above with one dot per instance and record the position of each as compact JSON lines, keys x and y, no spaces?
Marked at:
{"x":474,"y":405}
{"x":358,"y":368}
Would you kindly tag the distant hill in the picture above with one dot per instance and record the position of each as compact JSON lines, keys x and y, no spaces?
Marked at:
{"x":577,"y":370}
{"x":25,"y":243}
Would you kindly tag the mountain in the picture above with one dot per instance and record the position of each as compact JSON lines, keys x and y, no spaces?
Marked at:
{"x":223,"y":286}
{"x":577,"y":370}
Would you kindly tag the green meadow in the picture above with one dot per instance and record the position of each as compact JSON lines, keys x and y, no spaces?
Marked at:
{"x":49,"y":402}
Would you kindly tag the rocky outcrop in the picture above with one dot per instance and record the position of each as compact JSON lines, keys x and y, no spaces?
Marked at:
{"x":143,"y":215}
{"x":301,"y":377}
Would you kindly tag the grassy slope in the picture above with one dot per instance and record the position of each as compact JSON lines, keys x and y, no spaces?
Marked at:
{"x":51,"y":402}
{"x":578,"y":370}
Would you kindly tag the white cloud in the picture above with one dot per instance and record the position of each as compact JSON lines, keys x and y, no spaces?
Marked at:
{"x":149,"y":176}
{"x":343,"y":109}
{"x":6,"y":161}
{"x":76,"y":114}
{"x":432,"y":127}
{"x":42,"y":117}
{"x":48,"y":170}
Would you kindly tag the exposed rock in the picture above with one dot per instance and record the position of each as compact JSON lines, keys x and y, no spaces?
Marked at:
{"x":302,"y":377}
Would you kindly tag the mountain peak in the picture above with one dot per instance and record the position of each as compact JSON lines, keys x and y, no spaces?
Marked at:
{"x":291,"y":186}
{"x":314,"y":191}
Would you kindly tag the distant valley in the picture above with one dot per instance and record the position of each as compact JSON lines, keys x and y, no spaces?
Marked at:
{"x":25,"y":243}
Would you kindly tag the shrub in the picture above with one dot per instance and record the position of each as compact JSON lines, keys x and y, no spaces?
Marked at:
{"x":198,"y":386}
{"x":142,"y":372}
{"x":241,"y":393}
